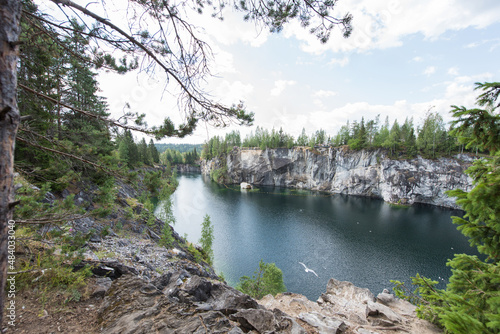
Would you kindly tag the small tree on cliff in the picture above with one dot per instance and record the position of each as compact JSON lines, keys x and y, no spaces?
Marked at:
{"x":267,"y":279}
{"x":207,"y":239}
{"x":471,"y":301}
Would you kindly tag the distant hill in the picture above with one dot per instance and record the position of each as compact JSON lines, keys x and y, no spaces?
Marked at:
{"x":179,"y":147}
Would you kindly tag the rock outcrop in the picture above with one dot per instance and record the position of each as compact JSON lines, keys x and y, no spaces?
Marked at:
{"x":179,"y":302}
{"x":185,"y":168}
{"x":343,"y":171}
{"x":183,"y":302}
{"x":348,"y":309}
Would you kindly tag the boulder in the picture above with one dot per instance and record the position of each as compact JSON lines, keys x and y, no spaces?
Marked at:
{"x":385,"y":297}
{"x":381,"y":315}
{"x":102,"y":285}
{"x":323,"y":324}
{"x":245,"y":185}
{"x":255,"y":319}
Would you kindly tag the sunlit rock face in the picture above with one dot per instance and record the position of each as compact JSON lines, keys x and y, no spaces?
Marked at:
{"x":340,"y":170}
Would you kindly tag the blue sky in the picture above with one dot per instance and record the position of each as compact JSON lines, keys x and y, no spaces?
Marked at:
{"x":403,"y":58}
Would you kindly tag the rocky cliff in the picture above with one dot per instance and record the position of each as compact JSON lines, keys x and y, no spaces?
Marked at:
{"x":340,"y":170}
{"x":185,"y":168}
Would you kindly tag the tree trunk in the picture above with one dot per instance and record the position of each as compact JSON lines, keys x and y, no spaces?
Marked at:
{"x":10,"y":14}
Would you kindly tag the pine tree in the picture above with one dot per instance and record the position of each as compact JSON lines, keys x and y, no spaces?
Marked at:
{"x":144,"y":153}
{"x":207,"y":239}
{"x":153,"y":152}
{"x":302,"y":140}
{"x":471,"y":301}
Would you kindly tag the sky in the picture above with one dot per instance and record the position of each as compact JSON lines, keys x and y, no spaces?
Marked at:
{"x":404,"y":58}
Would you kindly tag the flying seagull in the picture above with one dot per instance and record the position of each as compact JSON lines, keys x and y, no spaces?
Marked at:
{"x":309,"y":270}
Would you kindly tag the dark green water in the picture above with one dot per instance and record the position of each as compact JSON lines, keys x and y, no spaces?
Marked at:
{"x":361,"y":240}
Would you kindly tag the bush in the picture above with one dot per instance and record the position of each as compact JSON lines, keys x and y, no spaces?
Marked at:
{"x":267,"y":279}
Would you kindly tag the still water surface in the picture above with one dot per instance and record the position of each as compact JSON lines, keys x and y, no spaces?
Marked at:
{"x":362,"y":240}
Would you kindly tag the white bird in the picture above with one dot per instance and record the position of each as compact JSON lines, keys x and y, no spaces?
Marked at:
{"x":309,"y":270}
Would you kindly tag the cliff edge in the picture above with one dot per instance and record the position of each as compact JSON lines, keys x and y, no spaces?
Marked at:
{"x":340,"y":170}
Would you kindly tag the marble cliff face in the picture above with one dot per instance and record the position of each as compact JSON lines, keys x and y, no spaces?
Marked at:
{"x":340,"y":170}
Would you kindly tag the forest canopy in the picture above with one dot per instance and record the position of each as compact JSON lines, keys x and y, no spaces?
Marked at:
{"x":430,"y":139}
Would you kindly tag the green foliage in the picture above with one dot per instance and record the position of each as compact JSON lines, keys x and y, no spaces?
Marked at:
{"x":154,"y":182}
{"x":148,"y":212}
{"x":399,"y":140}
{"x":471,"y":301}
{"x":174,"y":157}
{"x":267,"y":279}
{"x":58,"y":67}
{"x":219,"y":174}
{"x":166,"y":238}
{"x":34,"y":206}
{"x":155,"y":156}
{"x":50,"y":271}
{"x":207,"y":239}
{"x":106,"y":198}
{"x":196,"y":253}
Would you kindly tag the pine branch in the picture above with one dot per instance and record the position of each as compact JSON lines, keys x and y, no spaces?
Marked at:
{"x":106,"y":120}
{"x":73,"y":30}
{"x":72,"y":156}
{"x":196,"y":105}
{"x":135,"y":42}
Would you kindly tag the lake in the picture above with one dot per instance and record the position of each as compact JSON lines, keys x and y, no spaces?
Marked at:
{"x":361,"y":240}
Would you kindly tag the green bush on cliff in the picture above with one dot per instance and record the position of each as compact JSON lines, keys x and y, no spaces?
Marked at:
{"x":267,"y":279}
{"x":219,"y":174}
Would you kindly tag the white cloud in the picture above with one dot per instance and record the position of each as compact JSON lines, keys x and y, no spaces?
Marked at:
{"x":453,"y":71}
{"x":280,"y":86}
{"x":324,"y":93}
{"x":429,"y":70}
{"x":224,"y":61}
{"x":342,"y":61}
{"x":232,"y":29}
{"x":233,"y":92}
{"x":379,"y":24}
{"x":460,"y":91}
{"x":495,"y":42}
{"x":417,"y":59}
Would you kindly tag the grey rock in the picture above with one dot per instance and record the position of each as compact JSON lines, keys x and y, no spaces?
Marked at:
{"x":133,"y":305}
{"x":323,"y":323}
{"x":381,"y":315}
{"x":102,"y":285}
{"x":255,"y":319}
{"x":385,"y":298}
{"x":348,"y":291}
{"x":365,"y":331}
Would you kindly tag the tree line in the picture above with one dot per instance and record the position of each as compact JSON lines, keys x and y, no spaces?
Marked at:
{"x":431,"y":139}
{"x":178,"y":147}
{"x":133,"y":154}
{"x":174,"y":157}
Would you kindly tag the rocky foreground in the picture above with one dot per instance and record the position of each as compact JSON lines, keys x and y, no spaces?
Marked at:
{"x":148,"y":289}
